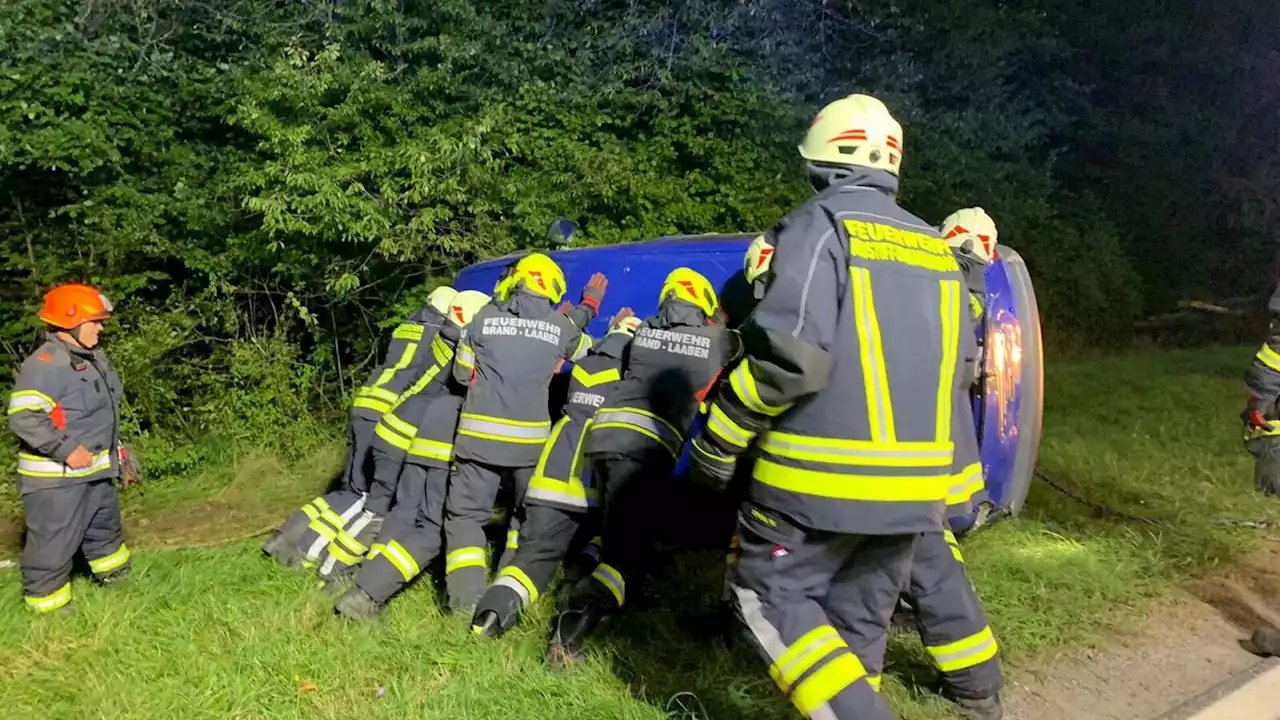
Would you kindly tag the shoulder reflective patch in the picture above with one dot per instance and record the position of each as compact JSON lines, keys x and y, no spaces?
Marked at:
{"x":873,"y":241}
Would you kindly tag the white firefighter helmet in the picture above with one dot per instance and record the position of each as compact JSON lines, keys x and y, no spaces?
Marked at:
{"x":627,"y":325}
{"x":465,"y":305}
{"x":440,"y":298}
{"x":758,"y":259}
{"x":855,"y":130}
{"x":973,"y":230}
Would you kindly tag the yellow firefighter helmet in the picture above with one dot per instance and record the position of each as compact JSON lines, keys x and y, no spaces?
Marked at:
{"x":690,"y":286}
{"x":855,"y":130}
{"x":971,"y":229}
{"x":538,"y":274}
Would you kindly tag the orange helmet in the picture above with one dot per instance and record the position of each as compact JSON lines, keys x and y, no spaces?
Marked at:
{"x":69,"y":306}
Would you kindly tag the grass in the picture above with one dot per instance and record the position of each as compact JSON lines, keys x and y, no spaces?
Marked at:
{"x":220,"y":632}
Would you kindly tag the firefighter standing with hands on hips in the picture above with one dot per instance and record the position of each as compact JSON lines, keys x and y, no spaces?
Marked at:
{"x":65,"y":410}
{"x":847,"y":389}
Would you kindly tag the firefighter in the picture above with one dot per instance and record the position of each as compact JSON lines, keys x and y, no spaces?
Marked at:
{"x":1262,"y":411}
{"x":307,"y":533}
{"x":851,"y":363}
{"x":634,"y":442}
{"x":561,"y":497}
{"x":424,"y":422}
{"x":415,"y":429}
{"x":972,"y":235}
{"x":506,"y":360}
{"x":65,"y":410}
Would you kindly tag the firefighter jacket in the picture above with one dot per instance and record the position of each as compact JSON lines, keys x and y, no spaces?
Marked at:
{"x":506,"y":358}
{"x":975,"y":279}
{"x":422,"y":423}
{"x":1263,"y":377}
{"x":65,"y":397}
{"x":415,"y":348}
{"x":851,"y":366}
{"x":669,"y":368}
{"x":561,"y":478}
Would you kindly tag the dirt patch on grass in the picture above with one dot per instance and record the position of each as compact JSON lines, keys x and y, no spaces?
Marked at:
{"x":1188,"y":644}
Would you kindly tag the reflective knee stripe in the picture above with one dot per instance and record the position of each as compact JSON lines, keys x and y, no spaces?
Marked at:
{"x":516,"y":579}
{"x":867,"y":453}
{"x":326,"y":524}
{"x":589,"y":379}
{"x":464,"y":558}
{"x":570,"y":492}
{"x":53,"y":601}
{"x":334,"y":526}
{"x":30,"y":400}
{"x":36,"y":466}
{"x":743,"y":383}
{"x":592,"y":550}
{"x":817,"y":690}
{"x":110,"y":562}
{"x":1269,"y":357}
{"x":392,"y":437}
{"x":495,"y":428}
{"x":513,"y":539}
{"x":875,"y":376}
{"x":726,"y":429}
{"x":949,"y":311}
{"x":874,"y":680}
{"x":643,"y":422}
{"x":400,"y":558}
{"x":803,"y":654}
{"x":841,"y":486}
{"x":966,"y":484}
{"x":962,"y":654}
{"x":954,"y":544}
{"x":431,"y":449}
{"x":609,"y":576}
{"x":338,"y":555}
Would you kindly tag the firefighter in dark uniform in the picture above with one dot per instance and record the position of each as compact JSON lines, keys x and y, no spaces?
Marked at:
{"x":407,"y":432}
{"x":308,"y":532}
{"x":1262,"y":433}
{"x":506,"y":360}
{"x":561,"y":496}
{"x":852,"y":361}
{"x":634,"y":442}
{"x":65,"y":411}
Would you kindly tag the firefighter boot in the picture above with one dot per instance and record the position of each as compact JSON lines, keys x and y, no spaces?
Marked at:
{"x":282,"y":546}
{"x":573,"y":625}
{"x":987,"y":708}
{"x":356,"y":604}
{"x":114,"y":577}
{"x":1266,"y":641}
{"x":498,"y":612}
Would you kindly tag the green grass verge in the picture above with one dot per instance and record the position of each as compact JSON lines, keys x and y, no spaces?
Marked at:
{"x":222,"y":633}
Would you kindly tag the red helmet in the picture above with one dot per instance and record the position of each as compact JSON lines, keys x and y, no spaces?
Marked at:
{"x":69,"y":306}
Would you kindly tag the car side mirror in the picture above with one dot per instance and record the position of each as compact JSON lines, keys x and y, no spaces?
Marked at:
{"x":562,"y":232}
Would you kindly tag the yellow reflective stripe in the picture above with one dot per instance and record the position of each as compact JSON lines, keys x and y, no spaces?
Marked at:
{"x":442,"y":351}
{"x":464,"y":558}
{"x":21,"y":400}
{"x":513,"y":539}
{"x":874,"y":681}
{"x":466,"y":357}
{"x":342,"y":556}
{"x":803,"y":654}
{"x":949,"y":312}
{"x":965,"y":484}
{"x":818,"y":689}
{"x":418,"y":386}
{"x":110,"y":562}
{"x":744,"y":385}
{"x":666,"y":444}
{"x":395,"y":554}
{"x":584,"y":344}
{"x":841,"y":486}
{"x":501,"y":429}
{"x":609,"y":576}
{"x":50,"y":602}
{"x":516,"y":579}
{"x":406,"y":357}
{"x":962,"y":654}
{"x":1269,"y":357}
{"x":589,"y":379}
{"x":867,"y":453}
{"x":975,"y":306}
{"x":329,"y":525}
{"x":432,"y":449}
{"x":954,"y":544}
{"x":377,"y":394}
{"x":726,"y":429}
{"x":371,"y":404}
{"x":875,"y":376}
{"x":540,"y":470}
{"x":392,"y":437}
{"x":408,"y":331}
{"x":399,"y":425}
{"x":35,"y":466}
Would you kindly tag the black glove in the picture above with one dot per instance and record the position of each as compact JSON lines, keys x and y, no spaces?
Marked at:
{"x":709,"y":466}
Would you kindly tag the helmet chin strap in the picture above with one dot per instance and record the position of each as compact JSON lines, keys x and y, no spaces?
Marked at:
{"x":74,"y":334}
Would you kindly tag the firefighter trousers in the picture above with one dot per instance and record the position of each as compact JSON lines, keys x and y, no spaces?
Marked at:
{"x":61,"y":521}
{"x":412,"y":535}
{"x":387,"y":462}
{"x":950,"y":619}
{"x":547,"y":535}
{"x":473,"y":489}
{"x":1266,"y":469}
{"x":817,"y":605}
